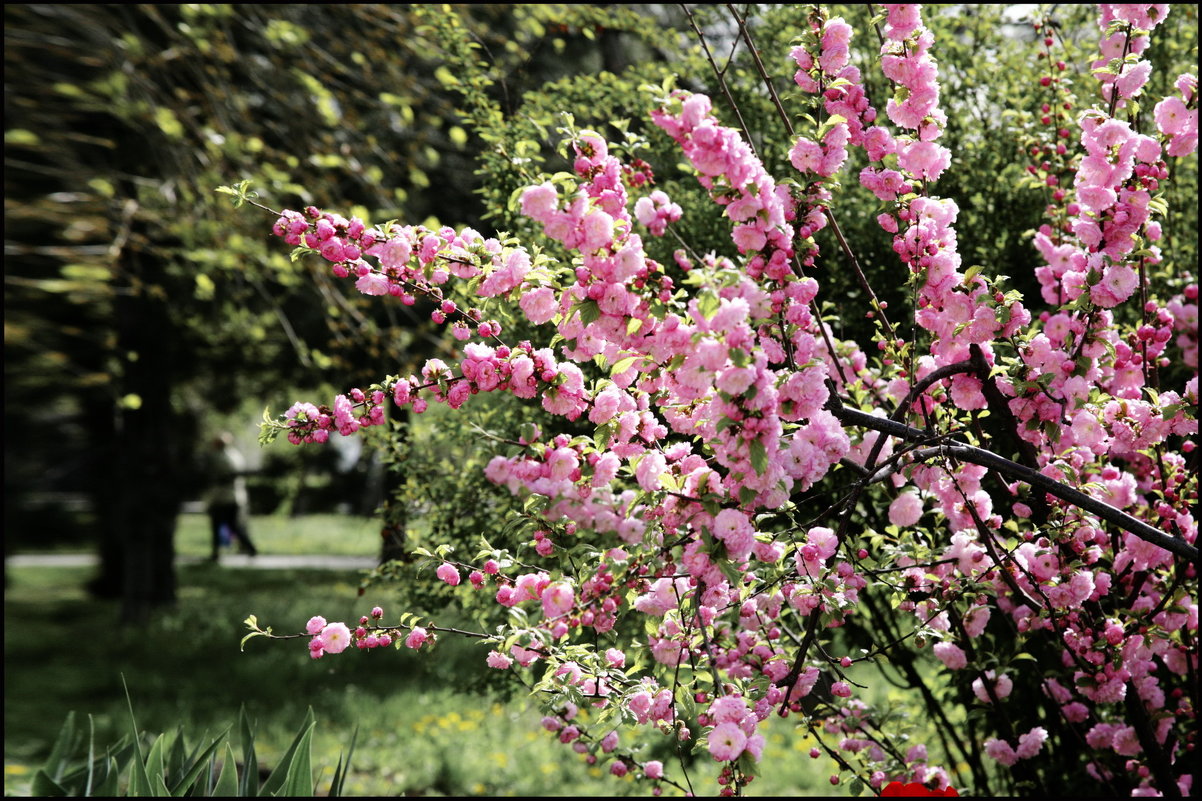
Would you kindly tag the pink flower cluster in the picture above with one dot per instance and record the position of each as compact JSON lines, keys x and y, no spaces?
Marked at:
{"x":734,"y":729}
{"x":1125,"y":27}
{"x":710,"y":418}
{"x":1177,"y":118}
{"x":410,"y":261}
{"x":656,"y":212}
{"x":1029,"y":745}
{"x":334,"y":638}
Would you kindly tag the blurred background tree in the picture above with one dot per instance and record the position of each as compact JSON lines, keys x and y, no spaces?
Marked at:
{"x":139,"y":311}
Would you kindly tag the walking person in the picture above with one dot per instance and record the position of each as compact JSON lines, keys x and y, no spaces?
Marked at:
{"x":227,"y":499}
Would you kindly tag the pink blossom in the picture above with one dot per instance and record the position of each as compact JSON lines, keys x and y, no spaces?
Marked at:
{"x":596,"y":230}
{"x":728,"y":709}
{"x":726,"y":742}
{"x":524,"y":656}
{"x":558,"y":599}
{"x":1118,"y":283}
{"x":1002,"y":686}
{"x":733,"y":528}
{"x":538,"y":202}
{"x":1131,"y":82}
{"x":924,"y":160}
{"x":1173,"y":117}
{"x":448,"y":573}
{"x":335,"y":637}
{"x":1001,"y":751}
{"x":806,"y":155}
{"x":824,"y":541}
{"x":539,"y":305}
{"x":372,"y":284}
{"x":976,"y":620}
{"x":906,"y":509}
{"x":417,"y":638}
{"x":951,"y":655}
{"x":315,"y":625}
{"x":1029,"y":744}
{"x":498,"y":660}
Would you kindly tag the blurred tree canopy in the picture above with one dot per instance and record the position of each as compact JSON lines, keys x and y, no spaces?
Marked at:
{"x":136,"y":304}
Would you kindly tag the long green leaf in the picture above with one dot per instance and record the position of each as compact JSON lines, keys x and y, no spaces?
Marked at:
{"x":227,"y":783}
{"x":195,"y":765}
{"x":87,"y":790}
{"x":154,"y":767}
{"x":64,"y":745}
{"x":249,"y":784}
{"x":280,"y":774}
{"x":89,"y":779}
{"x":175,"y":756}
{"x":43,"y":785}
{"x":344,"y":768}
{"x":299,"y":783}
{"x":107,"y":786}
{"x":139,"y":782}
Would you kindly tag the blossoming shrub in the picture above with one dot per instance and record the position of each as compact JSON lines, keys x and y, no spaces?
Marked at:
{"x":729,"y":511}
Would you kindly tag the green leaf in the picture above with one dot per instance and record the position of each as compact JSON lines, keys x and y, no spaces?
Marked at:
{"x":759,"y":457}
{"x":340,"y":773}
{"x":282,"y":774}
{"x":139,"y":782}
{"x":603,"y":435}
{"x":43,"y":785}
{"x":64,"y":745}
{"x":708,"y":303}
{"x":107,"y":786}
{"x":249,"y":784}
{"x":300,"y":773}
{"x":154,"y":767}
{"x":622,"y":365}
{"x":174,"y":762}
{"x":192,"y":771}
{"x":589,"y":311}
{"x":242,"y":644}
{"x":227,"y":782}
{"x":91,"y":755}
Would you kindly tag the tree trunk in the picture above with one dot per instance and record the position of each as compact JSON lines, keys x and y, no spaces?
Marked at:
{"x":144,"y":495}
{"x":393,"y":542}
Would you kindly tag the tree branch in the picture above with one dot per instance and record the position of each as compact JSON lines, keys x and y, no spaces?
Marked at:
{"x":1013,"y":470}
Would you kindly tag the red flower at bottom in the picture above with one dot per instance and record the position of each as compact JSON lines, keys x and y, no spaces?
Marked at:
{"x":914,"y":789}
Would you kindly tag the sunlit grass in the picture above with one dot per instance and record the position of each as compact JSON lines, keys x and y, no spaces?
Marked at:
{"x":333,"y":535}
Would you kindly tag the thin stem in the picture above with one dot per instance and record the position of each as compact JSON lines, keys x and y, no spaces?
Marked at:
{"x":721,"y":79}
{"x":984,"y":458}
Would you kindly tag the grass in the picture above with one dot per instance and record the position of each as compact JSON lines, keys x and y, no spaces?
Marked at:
{"x":333,"y":535}
{"x":426,"y":723}
{"x":336,"y":535}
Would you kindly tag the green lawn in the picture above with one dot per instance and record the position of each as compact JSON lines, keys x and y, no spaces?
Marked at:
{"x":427,"y":722}
{"x":334,"y":535}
